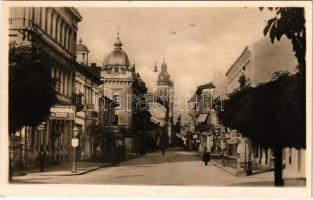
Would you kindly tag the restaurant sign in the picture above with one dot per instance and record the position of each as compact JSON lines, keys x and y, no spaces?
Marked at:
{"x":62,"y":112}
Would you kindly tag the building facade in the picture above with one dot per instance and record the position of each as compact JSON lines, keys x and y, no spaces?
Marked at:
{"x":87,"y":88}
{"x":123,"y":84}
{"x":53,"y":30}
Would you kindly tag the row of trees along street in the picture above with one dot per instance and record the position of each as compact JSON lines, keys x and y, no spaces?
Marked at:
{"x":273,"y":114}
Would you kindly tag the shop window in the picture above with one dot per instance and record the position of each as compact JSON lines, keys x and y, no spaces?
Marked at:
{"x":290,"y":160}
{"x":116,"y":120}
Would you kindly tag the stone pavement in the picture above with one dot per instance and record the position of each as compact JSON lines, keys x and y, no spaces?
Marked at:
{"x":65,"y":168}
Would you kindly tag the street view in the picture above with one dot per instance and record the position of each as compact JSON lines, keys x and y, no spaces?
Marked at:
{"x":197,"y":96}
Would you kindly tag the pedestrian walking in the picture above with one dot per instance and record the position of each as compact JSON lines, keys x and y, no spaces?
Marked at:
{"x":163,"y":148}
{"x":42,"y":159}
{"x":206,"y":156}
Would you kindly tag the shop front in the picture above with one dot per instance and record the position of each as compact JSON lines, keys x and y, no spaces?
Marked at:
{"x":57,"y":144}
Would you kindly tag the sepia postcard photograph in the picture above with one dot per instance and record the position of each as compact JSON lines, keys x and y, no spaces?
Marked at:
{"x":156,"y":99}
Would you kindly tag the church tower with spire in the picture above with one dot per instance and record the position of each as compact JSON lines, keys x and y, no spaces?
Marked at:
{"x":165,"y":89}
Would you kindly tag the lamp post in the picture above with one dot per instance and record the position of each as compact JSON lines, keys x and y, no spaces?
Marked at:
{"x":75,"y":144}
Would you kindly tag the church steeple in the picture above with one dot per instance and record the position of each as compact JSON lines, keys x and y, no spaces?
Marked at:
{"x":164,"y":78}
{"x":164,"y":66}
{"x":118,"y":44}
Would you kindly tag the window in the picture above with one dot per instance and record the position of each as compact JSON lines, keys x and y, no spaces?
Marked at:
{"x":290,"y":161}
{"x":61,"y":82}
{"x":64,"y":36}
{"x":115,"y":98}
{"x":52,"y":25}
{"x":33,"y":15}
{"x":61,"y":33}
{"x":65,"y":83}
{"x":49,"y":19}
{"x":41,"y":18}
{"x":46,"y":11}
{"x":115,"y":120}
{"x":59,"y":30}
{"x":56,"y":26}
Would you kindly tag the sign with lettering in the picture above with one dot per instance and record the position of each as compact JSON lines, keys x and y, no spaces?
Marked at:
{"x":62,"y":112}
{"x":75,"y":142}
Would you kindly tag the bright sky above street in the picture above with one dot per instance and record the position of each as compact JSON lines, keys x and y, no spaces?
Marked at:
{"x":194,"y":41}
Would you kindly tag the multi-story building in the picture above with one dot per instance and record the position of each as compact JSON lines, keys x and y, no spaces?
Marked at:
{"x":202,"y":107}
{"x":255,"y":65}
{"x":123,"y":84}
{"x":54,"y":31}
{"x":87,"y":90}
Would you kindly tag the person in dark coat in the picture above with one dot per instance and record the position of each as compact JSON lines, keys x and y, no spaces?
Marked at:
{"x":206,"y":156}
{"x":42,"y":159}
{"x":163,"y":148}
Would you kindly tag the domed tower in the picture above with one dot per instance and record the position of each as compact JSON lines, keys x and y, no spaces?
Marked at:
{"x":165,"y":85}
{"x":117,"y":59}
{"x":165,"y":89}
{"x":164,"y":78}
{"x":122,"y":83}
{"x":82,"y":53}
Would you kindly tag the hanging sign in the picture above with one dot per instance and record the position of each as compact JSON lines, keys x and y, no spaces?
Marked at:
{"x":66,"y":112}
{"x":74,"y":142}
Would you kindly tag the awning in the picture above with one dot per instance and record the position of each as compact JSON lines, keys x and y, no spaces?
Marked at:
{"x":202,"y":118}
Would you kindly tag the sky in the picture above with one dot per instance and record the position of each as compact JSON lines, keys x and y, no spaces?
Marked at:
{"x":195,"y":42}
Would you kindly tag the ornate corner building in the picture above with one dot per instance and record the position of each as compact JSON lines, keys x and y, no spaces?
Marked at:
{"x":123,"y":84}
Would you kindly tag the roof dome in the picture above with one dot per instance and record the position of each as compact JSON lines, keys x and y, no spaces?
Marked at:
{"x":117,"y":56}
{"x":81,"y":47}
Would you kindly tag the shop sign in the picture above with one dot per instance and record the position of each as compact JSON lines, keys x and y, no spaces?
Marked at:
{"x":75,"y":142}
{"x":195,"y":136}
{"x":62,"y":112}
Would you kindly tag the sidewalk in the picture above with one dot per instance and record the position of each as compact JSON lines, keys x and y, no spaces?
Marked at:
{"x":231,"y":168}
{"x":65,"y":168}
{"x":261,"y":173}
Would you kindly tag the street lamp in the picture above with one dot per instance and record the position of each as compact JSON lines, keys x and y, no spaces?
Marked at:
{"x":75,"y":144}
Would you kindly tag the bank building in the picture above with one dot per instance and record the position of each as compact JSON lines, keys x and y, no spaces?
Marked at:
{"x":123,"y":84}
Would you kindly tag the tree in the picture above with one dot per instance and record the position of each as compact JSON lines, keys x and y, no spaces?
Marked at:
{"x":291,"y":23}
{"x":31,"y":87}
{"x":273,"y":114}
{"x":269,"y":115}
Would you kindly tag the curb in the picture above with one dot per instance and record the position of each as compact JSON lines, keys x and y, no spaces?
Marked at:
{"x":224,"y":169}
{"x":96,"y":168}
{"x":87,"y":171}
